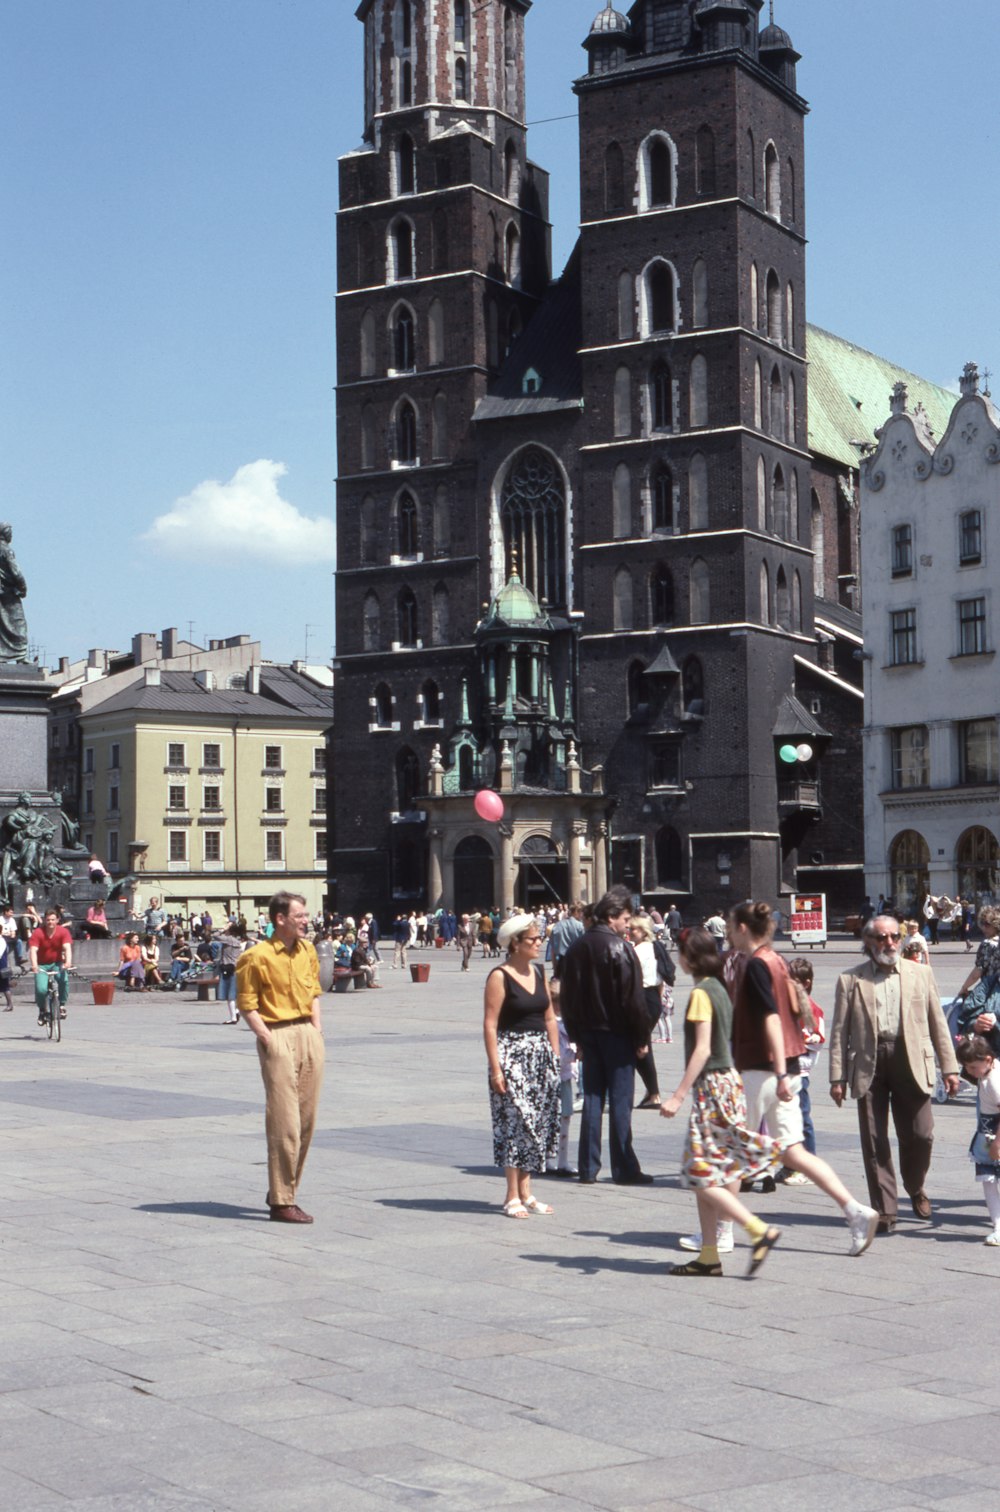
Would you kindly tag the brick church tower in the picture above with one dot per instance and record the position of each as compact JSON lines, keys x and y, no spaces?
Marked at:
{"x":573,"y":518}
{"x":694,"y":536}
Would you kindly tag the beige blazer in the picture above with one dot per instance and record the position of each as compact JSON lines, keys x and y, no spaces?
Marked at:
{"x":922,"y":1024}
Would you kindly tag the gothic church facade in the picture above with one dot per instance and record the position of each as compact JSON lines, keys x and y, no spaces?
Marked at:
{"x":576,"y":518}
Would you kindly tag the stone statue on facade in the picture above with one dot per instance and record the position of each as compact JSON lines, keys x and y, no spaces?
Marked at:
{"x":13,"y":626}
{"x":27,"y":850}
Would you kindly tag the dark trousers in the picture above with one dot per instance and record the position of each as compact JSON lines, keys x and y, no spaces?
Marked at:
{"x":608,"y":1073}
{"x":893,"y":1089}
{"x":645,"y":1064}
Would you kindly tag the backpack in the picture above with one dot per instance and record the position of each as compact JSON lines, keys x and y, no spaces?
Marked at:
{"x":665,"y":968}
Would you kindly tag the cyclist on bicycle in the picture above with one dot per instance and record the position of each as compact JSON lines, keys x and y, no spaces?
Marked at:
{"x":50,"y":947}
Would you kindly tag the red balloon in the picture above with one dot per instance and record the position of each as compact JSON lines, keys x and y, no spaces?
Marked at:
{"x":489,"y":806}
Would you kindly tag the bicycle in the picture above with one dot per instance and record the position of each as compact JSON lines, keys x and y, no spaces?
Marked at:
{"x":53,"y":1013}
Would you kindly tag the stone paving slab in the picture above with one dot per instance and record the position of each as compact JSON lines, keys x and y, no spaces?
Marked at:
{"x":163,"y":1348}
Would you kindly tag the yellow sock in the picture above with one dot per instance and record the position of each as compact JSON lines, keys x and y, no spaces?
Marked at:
{"x":755,"y":1228}
{"x":709,"y":1255}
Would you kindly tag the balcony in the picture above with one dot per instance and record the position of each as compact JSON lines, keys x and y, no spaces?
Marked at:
{"x":794,"y":793}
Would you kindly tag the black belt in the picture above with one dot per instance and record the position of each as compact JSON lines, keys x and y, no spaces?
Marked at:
{"x":287,"y":1023}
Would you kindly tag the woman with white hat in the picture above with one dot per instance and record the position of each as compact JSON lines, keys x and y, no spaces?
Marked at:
{"x":522,"y":1047}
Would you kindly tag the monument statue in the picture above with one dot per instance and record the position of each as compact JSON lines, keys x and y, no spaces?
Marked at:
{"x":27,"y":850}
{"x":13,"y":626}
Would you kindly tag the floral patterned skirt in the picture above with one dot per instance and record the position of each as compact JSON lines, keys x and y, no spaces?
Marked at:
{"x":526,"y":1117}
{"x":719,"y":1148}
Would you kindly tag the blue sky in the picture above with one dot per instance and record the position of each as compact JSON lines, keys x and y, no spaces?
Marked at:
{"x":168,"y":171}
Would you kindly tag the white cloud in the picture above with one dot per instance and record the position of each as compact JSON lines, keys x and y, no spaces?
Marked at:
{"x":245,"y":517}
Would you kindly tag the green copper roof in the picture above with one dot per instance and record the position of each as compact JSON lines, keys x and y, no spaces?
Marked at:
{"x":849,"y":392}
{"x":516,"y":605}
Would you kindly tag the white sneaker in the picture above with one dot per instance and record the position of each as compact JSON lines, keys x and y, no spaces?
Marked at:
{"x":862,"y":1223}
{"x":724,"y":1241}
{"x":993,"y":1238}
{"x":795,"y":1178}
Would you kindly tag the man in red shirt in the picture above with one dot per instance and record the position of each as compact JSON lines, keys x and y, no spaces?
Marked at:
{"x":48,"y":947}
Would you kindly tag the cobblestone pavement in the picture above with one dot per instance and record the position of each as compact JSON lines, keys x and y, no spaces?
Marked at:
{"x":164,"y":1347}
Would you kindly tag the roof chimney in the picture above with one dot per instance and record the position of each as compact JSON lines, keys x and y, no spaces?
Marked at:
{"x":168,"y":643}
{"x":152,"y":677}
{"x":205,"y":679}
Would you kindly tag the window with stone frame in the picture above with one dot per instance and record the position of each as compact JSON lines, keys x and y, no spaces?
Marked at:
{"x":972,"y":627}
{"x":902,"y":637}
{"x":970,"y":537}
{"x":901,"y":541}
{"x":977,"y":752}
{"x":910,"y":756}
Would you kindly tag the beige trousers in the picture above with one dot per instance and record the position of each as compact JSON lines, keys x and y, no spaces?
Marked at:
{"x":291,"y":1064}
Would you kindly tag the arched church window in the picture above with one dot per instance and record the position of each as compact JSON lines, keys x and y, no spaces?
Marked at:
{"x":698,"y":390}
{"x":403,"y":344}
{"x":766,"y":611}
{"x":699,"y":291}
{"x":626,"y":307}
{"x":407,"y":533}
{"x":435,"y":333}
{"x":461,"y":79}
{"x":779,"y":495}
{"x":663,"y":499}
{"x":381,"y":706}
{"x":659,"y":304}
{"x":773,"y":297}
{"x":371,"y":623}
{"x":623,"y":402}
{"x":369,"y":530}
{"x":698,"y":493}
{"x":367,"y":335}
{"x":772,"y":181}
{"x":408,"y":786}
{"x":782,"y":601}
{"x":818,"y":546}
{"x":511,"y":172}
{"x":430,"y":701}
{"x":461,"y":22}
{"x":701,"y":606}
{"x":621,"y":502}
{"x":622,"y":596}
{"x":440,"y":616}
{"x":533,"y":521}
{"x":661,"y":397}
{"x":406,"y":618}
{"x":406,"y":434}
{"x":657,"y":175}
{"x":401,"y":262}
{"x":661,"y":595}
{"x":776,"y":415}
{"x":512,"y":258}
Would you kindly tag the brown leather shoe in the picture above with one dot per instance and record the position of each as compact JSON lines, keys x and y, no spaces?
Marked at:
{"x":887,"y":1225}
{"x":289,"y":1214}
{"x":922,"y":1206}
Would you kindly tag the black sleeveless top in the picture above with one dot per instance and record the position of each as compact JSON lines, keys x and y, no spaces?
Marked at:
{"x":523,"y":1012}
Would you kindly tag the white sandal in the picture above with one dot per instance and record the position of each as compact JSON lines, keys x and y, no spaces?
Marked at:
{"x":533,"y":1205}
{"x":515,"y":1208}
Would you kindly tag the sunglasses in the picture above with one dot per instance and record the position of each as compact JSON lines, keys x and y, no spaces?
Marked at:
{"x":885,"y":938}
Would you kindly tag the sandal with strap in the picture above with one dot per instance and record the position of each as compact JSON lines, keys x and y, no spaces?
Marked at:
{"x":534,"y":1206}
{"x":695,"y":1268}
{"x":762,"y":1247}
{"x":515,"y":1208}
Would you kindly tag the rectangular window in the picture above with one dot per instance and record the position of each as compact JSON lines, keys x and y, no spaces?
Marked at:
{"x":902,"y":551}
{"x":88,"y":759}
{"x":903,"y":629}
{"x":319,"y":800}
{"x":321,"y":845}
{"x":177,"y":797}
{"x":88,"y":801}
{"x":272,"y":800}
{"x":971,"y":626}
{"x":273,"y":844}
{"x":116,"y":756}
{"x":212,"y":798}
{"x":113,"y":798}
{"x":88,"y":841}
{"x":970,"y":538}
{"x":272,"y":758}
{"x":977,"y":752}
{"x":319,"y":758}
{"x":211,"y":755}
{"x":112,"y":847}
{"x":213,"y":845}
{"x":55,"y":737}
{"x":175,"y":754}
{"x":665,"y":766}
{"x":910,"y":760}
{"x":178,"y":845}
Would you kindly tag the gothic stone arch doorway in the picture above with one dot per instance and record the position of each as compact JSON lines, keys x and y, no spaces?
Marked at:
{"x":474,"y":885}
{"x":542,"y":876}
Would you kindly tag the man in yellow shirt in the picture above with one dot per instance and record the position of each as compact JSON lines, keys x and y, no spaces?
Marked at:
{"x":278,"y":993}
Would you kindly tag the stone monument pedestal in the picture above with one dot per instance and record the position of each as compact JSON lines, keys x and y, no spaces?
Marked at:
{"x":24,"y":745}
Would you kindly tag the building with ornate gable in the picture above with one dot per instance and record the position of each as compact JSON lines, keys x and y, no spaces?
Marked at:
{"x":930,"y":537}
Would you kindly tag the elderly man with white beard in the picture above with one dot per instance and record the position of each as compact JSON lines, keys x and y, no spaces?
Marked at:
{"x":887,"y":1027}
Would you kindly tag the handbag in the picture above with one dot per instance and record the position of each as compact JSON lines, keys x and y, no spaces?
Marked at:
{"x":986,"y":1130}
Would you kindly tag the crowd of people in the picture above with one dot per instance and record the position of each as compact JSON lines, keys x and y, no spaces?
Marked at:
{"x":751,"y":1035}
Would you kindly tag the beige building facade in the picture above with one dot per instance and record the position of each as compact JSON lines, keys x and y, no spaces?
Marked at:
{"x":210,"y":796}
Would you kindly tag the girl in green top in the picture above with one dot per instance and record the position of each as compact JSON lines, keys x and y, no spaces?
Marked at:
{"x":720,"y":1150}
